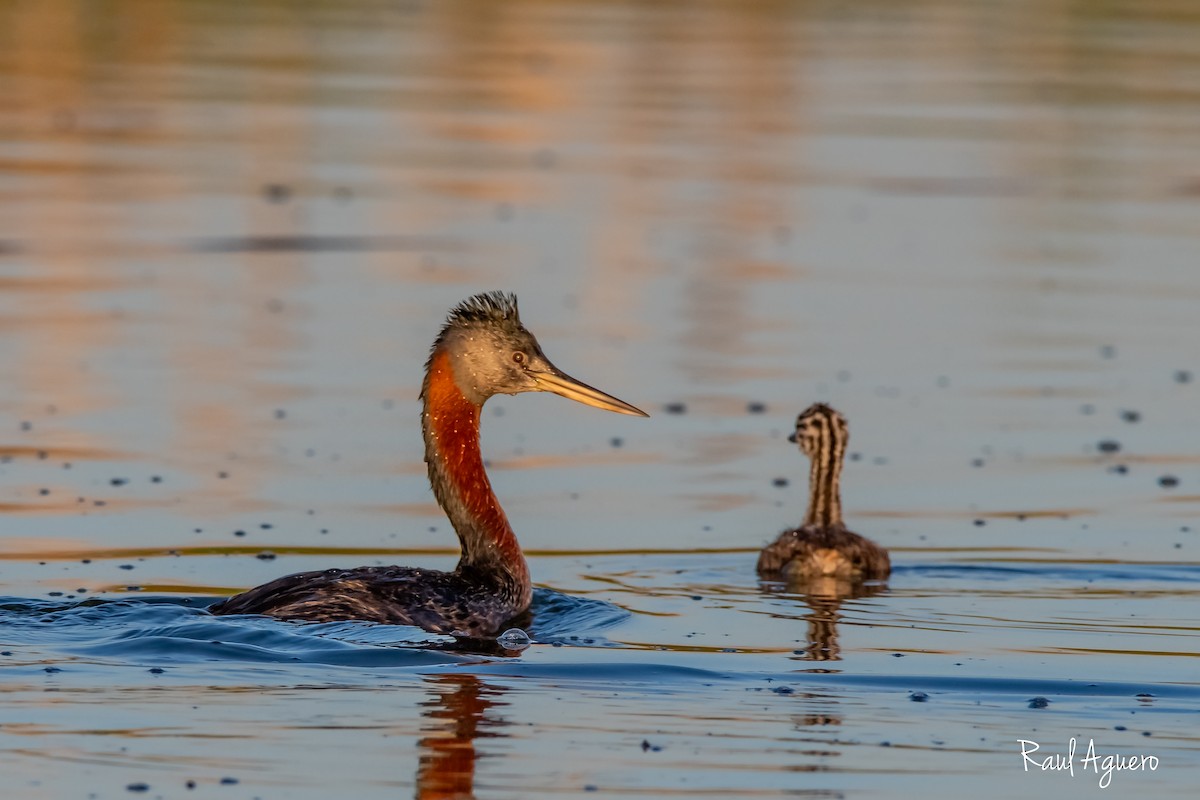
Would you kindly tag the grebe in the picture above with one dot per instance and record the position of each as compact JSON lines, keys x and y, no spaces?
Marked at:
{"x":822,"y":547}
{"x":482,"y":350}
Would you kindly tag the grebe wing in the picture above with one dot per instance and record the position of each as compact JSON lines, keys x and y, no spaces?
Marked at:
{"x":393,"y":595}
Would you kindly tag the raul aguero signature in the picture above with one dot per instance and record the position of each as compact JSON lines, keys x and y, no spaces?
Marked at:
{"x":1103,"y":765}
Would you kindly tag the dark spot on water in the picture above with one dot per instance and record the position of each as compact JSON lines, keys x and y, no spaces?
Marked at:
{"x":1119,"y":727}
{"x":979,"y":523}
{"x":280,"y":413}
{"x":1144,"y":695}
{"x":55,"y":594}
{"x":239,"y":533}
{"x":1108,"y":351}
{"x":856,"y":456}
{"x":616,"y":441}
{"x":653,"y":748}
{"x":589,"y":787}
{"x":276,"y":192}
{"x":1108,"y":446}
{"x":1168,"y":481}
{"x":26,"y":426}
{"x":5,"y":652}
{"x":51,"y":670}
{"x":156,"y":670}
{"x":675,"y":408}
{"x":977,"y":462}
{"x":138,"y":787}
{"x":265,"y":555}
{"x":1147,"y":733}
{"x":755,"y":407}
{"x":99,"y":502}
{"x":780,"y":482}
{"x":1183,"y":376}
{"x":1020,"y":517}
{"x":43,"y":492}
{"x":190,"y":784}
{"x":918,"y":697}
{"x":1130,"y":415}
{"x":125,"y":566}
{"x":222,"y":475}
{"x":119,"y":481}
{"x":897,"y":655}
{"x":783,"y":690}
{"x":1038,"y":702}
{"x":228,"y":781}
{"x":42,"y":455}
{"x":156,"y":479}
{"x":266,"y":526}
{"x":879,"y":461}
{"x":1118,"y":469}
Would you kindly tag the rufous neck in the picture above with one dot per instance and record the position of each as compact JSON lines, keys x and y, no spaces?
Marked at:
{"x":450,"y":423}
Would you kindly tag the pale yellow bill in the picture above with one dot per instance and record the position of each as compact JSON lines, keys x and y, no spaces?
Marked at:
{"x":568,"y":387}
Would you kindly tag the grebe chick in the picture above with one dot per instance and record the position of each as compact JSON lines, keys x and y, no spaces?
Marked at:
{"x":482,"y":350}
{"x":822,"y":547}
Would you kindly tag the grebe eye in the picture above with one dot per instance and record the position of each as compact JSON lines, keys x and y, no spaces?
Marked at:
{"x":518,"y":357}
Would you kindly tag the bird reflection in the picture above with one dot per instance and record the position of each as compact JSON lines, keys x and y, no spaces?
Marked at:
{"x":459,"y":712}
{"x":824,"y":598}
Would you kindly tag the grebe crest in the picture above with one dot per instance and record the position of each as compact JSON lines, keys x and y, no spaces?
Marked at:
{"x":482,"y":350}
{"x":822,"y":547}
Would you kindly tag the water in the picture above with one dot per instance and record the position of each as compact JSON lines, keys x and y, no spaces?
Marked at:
{"x":229,"y":232}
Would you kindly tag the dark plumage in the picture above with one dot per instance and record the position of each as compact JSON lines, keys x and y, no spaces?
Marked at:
{"x":466,"y":602}
{"x":482,"y":350}
{"x":822,"y":547}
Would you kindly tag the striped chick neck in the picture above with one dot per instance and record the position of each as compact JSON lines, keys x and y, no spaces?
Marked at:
{"x":822,"y":434}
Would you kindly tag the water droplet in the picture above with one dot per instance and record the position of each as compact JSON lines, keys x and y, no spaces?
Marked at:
{"x":514,"y":639}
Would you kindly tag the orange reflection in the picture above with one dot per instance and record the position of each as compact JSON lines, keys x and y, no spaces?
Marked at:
{"x":824,"y":598}
{"x":454,"y":717}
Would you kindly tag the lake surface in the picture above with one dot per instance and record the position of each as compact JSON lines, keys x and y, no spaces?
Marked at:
{"x":230,"y":231}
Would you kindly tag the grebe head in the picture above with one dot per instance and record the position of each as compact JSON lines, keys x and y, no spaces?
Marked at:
{"x":493,"y":353}
{"x":820,"y":431}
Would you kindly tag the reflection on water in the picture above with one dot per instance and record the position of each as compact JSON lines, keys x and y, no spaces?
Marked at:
{"x":459,"y":711}
{"x":824,"y":598}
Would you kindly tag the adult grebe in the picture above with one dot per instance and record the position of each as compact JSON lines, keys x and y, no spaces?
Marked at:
{"x":822,"y":547}
{"x":482,"y":350}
